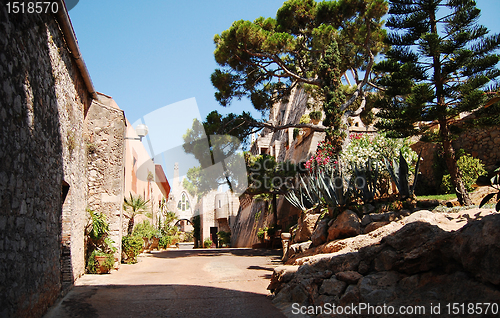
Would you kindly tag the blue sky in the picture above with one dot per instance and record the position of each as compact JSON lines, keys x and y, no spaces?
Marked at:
{"x":152,"y":54}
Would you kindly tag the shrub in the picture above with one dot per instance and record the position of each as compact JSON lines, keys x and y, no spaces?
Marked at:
{"x":471,"y":169}
{"x":131,"y":246}
{"x":166,"y":241}
{"x":93,"y":264}
{"x":207,"y":243}
{"x":146,"y":229}
{"x":316,"y":115}
{"x":224,"y":237}
{"x":261,"y":233}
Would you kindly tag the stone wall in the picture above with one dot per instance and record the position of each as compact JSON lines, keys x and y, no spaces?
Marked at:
{"x":42,"y":104}
{"x":482,"y":143}
{"x":105,"y":144}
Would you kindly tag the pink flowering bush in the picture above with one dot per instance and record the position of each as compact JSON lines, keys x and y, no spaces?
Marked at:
{"x":361,"y":148}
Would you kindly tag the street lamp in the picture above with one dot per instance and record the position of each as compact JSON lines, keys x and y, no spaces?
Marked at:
{"x":141,"y":130}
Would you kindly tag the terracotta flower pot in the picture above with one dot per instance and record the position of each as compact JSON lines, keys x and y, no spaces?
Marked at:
{"x":101,"y":268}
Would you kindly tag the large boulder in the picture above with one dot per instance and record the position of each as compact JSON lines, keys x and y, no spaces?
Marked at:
{"x":425,"y":258}
{"x":477,"y":247}
{"x":305,"y":228}
{"x":347,"y":224}
{"x":320,"y":234}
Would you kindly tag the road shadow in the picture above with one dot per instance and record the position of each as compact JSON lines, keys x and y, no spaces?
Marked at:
{"x":162,"y":301}
{"x":214,"y":252}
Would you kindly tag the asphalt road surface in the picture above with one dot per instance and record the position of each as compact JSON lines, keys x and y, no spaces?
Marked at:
{"x":178,"y":283}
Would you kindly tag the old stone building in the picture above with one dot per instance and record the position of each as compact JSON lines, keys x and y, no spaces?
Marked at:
{"x":61,"y":152}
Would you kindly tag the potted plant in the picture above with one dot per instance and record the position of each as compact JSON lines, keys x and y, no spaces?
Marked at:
{"x":316,"y":116}
{"x":131,"y":247}
{"x":100,"y":249}
{"x":207,"y":243}
{"x":262,"y":234}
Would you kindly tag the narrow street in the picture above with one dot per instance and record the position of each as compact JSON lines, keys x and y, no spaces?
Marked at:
{"x":178,"y":283}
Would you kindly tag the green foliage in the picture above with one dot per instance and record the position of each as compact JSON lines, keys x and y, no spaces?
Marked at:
{"x":196,"y":221}
{"x":308,"y":44}
{"x":224,"y":237}
{"x":93,"y":265}
{"x":296,"y":132}
{"x":375,"y":147}
{"x":146,"y":229}
{"x":305,"y":119}
{"x":267,"y":176}
{"x":316,"y":115}
{"x":471,"y":169}
{"x":440,"y":65}
{"x":98,"y":242}
{"x":131,"y":246}
{"x":491,"y":180}
{"x":165,"y":241}
{"x":136,"y":205}
{"x":324,"y":187}
{"x":207,"y":243}
{"x":98,"y":226}
{"x":257,"y":215}
{"x":261,"y":233}
{"x":400,"y":175}
{"x":366,"y":180}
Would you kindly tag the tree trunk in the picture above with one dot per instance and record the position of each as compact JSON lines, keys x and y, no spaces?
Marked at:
{"x":451,"y":165}
{"x":275,"y":210}
{"x":130,"y":225}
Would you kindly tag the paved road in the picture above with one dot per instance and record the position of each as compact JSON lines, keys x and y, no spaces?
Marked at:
{"x":178,"y":283}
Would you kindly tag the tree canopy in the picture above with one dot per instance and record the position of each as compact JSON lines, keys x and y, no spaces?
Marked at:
{"x":307,"y":43}
{"x":439,"y":66}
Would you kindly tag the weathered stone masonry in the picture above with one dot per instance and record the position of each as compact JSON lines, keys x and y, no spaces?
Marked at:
{"x":47,"y":120}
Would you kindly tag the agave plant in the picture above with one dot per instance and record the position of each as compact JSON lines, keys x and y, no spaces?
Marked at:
{"x":369,"y":176}
{"x":325,"y":187}
{"x":336,"y":189}
{"x":491,"y":180}
{"x":305,"y":196}
{"x":399,"y":173}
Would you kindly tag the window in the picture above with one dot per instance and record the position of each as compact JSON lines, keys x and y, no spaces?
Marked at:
{"x":183,"y":204}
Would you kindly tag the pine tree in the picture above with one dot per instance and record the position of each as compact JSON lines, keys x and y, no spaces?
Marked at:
{"x":439,"y":66}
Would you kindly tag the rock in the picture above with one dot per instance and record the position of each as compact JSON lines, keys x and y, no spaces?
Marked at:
{"x":347,"y":224}
{"x":320,"y":234}
{"x":379,"y":287}
{"x":321,"y":300}
{"x":374,"y":225}
{"x":383,"y":217}
{"x":351,"y":296}
{"x":368,"y":208}
{"x":477,"y":247}
{"x":297,"y":248}
{"x":332,"y":287}
{"x":305,"y":227}
{"x":282,"y":274}
{"x":299,"y":294}
{"x":350,"y":277}
{"x":385,"y":260}
{"x":366,"y":220}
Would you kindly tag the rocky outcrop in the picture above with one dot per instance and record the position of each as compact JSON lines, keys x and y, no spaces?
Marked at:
{"x":424,"y":258}
{"x":346,"y":224}
{"x":306,"y":227}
